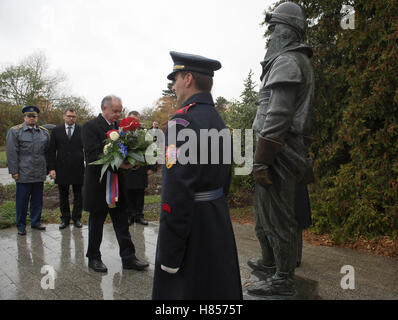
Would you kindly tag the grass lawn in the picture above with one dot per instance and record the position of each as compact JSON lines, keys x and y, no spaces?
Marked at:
{"x":3,"y":158}
{"x":52,"y":214}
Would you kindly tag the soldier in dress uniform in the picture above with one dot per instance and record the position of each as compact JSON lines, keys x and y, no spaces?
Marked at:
{"x":196,"y":256}
{"x":26,"y":147}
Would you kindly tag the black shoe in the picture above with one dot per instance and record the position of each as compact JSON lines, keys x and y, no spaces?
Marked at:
{"x":22,"y":232}
{"x":142,"y":221}
{"x":78,"y":224}
{"x":39,"y":227}
{"x":97,"y":265}
{"x":63,"y":225}
{"x":135,"y":264}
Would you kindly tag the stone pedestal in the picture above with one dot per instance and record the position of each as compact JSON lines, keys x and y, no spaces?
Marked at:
{"x":306,"y":289}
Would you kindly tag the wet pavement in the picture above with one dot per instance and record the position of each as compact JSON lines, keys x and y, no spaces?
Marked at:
{"x":26,"y":263}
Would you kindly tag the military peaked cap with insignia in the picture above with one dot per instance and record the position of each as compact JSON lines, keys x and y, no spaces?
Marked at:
{"x":30,"y":110}
{"x":192,"y":62}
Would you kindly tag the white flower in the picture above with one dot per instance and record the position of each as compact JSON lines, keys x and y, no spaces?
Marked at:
{"x":106,"y":148}
{"x":114,"y":135}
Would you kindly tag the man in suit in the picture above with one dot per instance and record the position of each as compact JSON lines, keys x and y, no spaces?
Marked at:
{"x":66,"y":165}
{"x":94,"y":190}
{"x":196,"y":256}
{"x":135,"y":183}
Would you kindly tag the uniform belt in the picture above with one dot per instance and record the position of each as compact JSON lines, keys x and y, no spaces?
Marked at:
{"x":209,"y":195}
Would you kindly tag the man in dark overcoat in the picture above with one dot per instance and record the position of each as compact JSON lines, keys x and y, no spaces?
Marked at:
{"x":94,"y":190}
{"x":135,"y":182}
{"x":196,"y":256}
{"x":66,"y":165}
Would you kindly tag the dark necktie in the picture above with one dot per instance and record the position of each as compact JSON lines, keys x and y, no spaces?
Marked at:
{"x":69,"y":133}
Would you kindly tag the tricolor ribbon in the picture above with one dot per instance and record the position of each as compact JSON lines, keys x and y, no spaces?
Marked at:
{"x":112,"y":189}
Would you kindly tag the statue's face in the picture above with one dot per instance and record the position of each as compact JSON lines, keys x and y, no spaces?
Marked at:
{"x":281,"y":37}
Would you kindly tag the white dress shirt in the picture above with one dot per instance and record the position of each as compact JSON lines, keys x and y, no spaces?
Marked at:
{"x":72,"y":130}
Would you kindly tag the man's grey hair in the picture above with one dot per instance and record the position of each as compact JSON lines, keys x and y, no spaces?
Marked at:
{"x":107,"y":101}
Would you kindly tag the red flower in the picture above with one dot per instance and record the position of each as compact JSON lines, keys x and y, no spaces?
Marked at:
{"x":130,"y":124}
{"x":109,"y":132}
{"x":166,"y":208}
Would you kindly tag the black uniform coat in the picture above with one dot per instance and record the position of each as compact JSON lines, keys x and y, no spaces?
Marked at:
{"x":196,"y":237}
{"x":66,"y":156}
{"x":93,"y":137}
{"x":137,"y":179}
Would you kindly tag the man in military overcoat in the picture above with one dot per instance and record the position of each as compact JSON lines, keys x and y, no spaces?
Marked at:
{"x":26,"y":147}
{"x":196,"y":256}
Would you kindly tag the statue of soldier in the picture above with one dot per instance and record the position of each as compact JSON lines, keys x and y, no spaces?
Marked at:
{"x":282,"y":125}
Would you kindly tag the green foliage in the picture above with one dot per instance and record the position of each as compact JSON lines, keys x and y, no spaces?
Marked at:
{"x":355,"y":138}
{"x":3,"y":157}
{"x":7,"y":214}
{"x":240,"y":115}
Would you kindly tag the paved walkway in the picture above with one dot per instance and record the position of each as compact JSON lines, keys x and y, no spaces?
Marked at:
{"x":23,"y":257}
{"x":5,"y":177}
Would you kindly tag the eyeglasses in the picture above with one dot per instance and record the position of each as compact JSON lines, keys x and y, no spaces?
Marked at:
{"x":68,"y":116}
{"x":31,"y":116}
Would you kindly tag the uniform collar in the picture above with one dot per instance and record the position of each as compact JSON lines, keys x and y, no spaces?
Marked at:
{"x":26,"y":127}
{"x":199,"y":98}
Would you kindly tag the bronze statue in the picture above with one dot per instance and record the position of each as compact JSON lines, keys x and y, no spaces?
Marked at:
{"x":282,"y":125}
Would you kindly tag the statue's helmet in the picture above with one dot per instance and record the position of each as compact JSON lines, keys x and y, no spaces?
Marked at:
{"x":290,"y":14}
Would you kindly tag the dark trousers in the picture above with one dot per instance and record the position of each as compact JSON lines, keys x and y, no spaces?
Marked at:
{"x":64,"y":202}
{"x":135,"y":202}
{"x":121,"y":227}
{"x":26,"y":192}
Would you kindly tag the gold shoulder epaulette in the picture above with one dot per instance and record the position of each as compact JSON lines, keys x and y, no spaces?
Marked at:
{"x":43,"y":128}
{"x":17,"y":127}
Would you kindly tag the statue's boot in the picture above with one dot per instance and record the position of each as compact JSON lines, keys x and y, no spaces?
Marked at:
{"x":258,"y":265}
{"x":280,"y":284}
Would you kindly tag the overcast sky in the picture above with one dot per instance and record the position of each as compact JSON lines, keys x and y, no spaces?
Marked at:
{"x":122,"y":47}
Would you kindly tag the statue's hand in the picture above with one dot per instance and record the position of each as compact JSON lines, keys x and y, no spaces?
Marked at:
{"x":262,"y":176}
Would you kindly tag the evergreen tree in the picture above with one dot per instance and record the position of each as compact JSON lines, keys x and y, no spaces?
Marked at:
{"x":169,"y":91}
{"x":355,"y":138}
{"x":242,"y":113}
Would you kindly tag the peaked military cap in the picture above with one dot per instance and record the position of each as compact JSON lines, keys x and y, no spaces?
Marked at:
{"x":192,"y":62}
{"x":30,"y":110}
